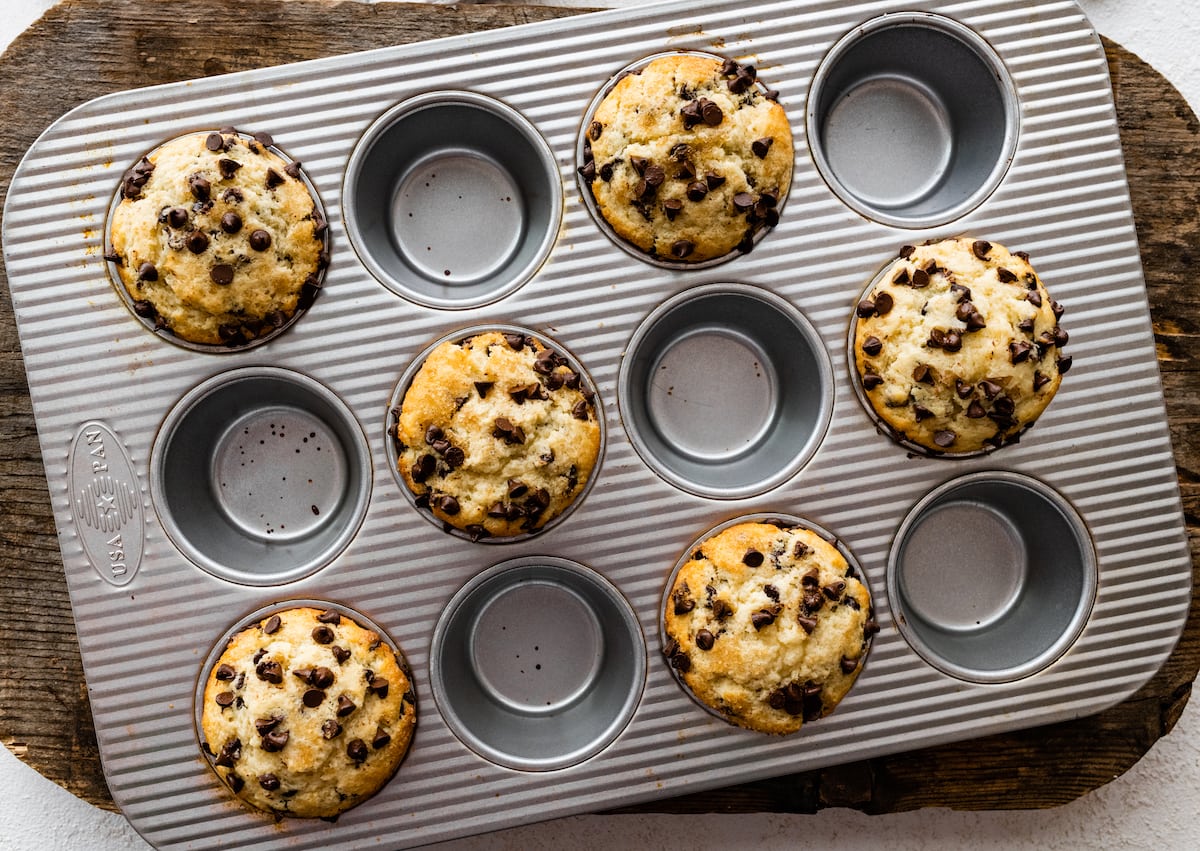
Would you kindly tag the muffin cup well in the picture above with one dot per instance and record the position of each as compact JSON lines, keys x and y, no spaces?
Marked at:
{"x":537,"y":663}
{"x":452,"y":199}
{"x":726,"y":390}
{"x":912,"y":119}
{"x":395,"y":406}
{"x":992,"y":577}
{"x":260,"y":475}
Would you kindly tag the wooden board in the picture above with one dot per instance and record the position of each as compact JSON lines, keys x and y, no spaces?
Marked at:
{"x":85,"y":48}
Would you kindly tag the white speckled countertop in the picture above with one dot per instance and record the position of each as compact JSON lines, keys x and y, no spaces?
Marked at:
{"x":1154,"y":805}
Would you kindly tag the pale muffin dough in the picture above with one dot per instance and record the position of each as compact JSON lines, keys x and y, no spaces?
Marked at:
{"x":689,"y":158}
{"x":217,"y":239}
{"x":958,"y":345}
{"x":307,"y":713}
{"x":497,"y":434}
{"x":768,"y":625}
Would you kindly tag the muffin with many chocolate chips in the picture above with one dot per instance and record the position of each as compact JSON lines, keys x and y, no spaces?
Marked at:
{"x":958,"y":346}
{"x":768,"y":625}
{"x":217,"y":239}
{"x":688,"y":158}
{"x":497,"y":434}
{"x":307,"y":713}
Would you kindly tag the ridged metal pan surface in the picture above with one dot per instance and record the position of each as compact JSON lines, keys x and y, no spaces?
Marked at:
{"x":99,"y":379}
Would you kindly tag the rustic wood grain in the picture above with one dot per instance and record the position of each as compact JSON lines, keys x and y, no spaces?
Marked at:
{"x":85,"y":48}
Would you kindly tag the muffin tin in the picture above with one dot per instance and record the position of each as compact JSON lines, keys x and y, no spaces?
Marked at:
{"x":123,"y":415}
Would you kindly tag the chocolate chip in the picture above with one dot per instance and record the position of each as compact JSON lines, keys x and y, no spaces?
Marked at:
{"x":230,"y":753}
{"x":231,"y":223}
{"x":849,"y":666}
{"x":260,"y":240}
{"x":1005,"y":276}
{"x":378,"y":685}
{"x":147,"y":272}
{"x":682,"y":248}
{"x":272,"y":625}
{"x":1063,"y":364}
{"x":228,"y":167}
{"x":760,"y":147}
{"x":232,"y":195}
{"x":356,"y":750}
{"x":921,"y":413}
{"x":265,"y":725}
{"x":269,"y":782}
{"x":580,"y":410}
{"x":697,"y":190}
{"x":345,"y":706}
{"x":292,"y":169}
{"x":944,"y":438}
{"x":341,"y":654}
{"x":331,"y":729}
{"x":381,"y":739}
{"x":920,"y":279}
{"x":236,"y":783}
{"x":922,"y":374}
{"x":448,"y":505}
{"x":976,"y":411}
{"x":808,"y":624}
{"x":269,"y":671}
{"x":274,"y":178}
{"x":704,"y":639}
{"x":1034,"y":297}
{"x":671,"y":208}
{"x":865,"y":309}
{"x":483,"y":388}
{"x":224,"y":672}
{"x":275,"y":741}
{"x":872,"y":346}
{"x":713,"y":180}
{"x":654,"y":176}
{"x":1019,"y":350}
{"x":594,"y":131}
{"x":743,"y":202}
{"x":221,"y":274}
{"x":682,"y":600}
{"x":721,"y":609}
{"x":323,"y":634}
{"x":710,"y":112}
{"x":224,"y":699}
{"x":870,"y":380}
{"x":423,"y":468}
{"x":762,"y":618}
{"x":990,"y":389}
{"x":981,"y":248}
{"x":197,"y":242}
{"x":313,"y":698}
{"x":199,"y":186}
{"x":752,"y":558}
{"x":1061,"y":337}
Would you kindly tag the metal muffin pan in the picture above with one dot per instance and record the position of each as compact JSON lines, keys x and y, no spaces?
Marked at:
{"x":104,"y":388}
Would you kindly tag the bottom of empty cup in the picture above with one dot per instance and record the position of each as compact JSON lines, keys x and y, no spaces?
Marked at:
{"x":537,"y":663}
{"x":726,"y":390}
{"x":992,"y":577}
{"x":261,"y":475}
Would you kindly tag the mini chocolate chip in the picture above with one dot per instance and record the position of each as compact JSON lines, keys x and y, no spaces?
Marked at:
{"x":345,"y":706}
{"x":322,"y":634}
{"x":197,"y":242}
{"x":275,"y":741}
{"x":265,"y":725}
{"x":147,"y":272}
{"x":710,"y":113}
{"x":221,"y":274}
{"x":981,"y":248}
{"x":331,"y":729}
{"x":682,"y":601}
{"x":682,"y":248}
{"x":272,"y":625}
{"x":356,"y":749}
{"x":231,"y":223}
{"x":260,"y":240}
{"x":303,"y":673}
{"x":760,"y":147}
{"x":214,"y":142}
{"x":313,"y":698}
{"x":712,"y":180}
{"x":292,"y":169}
{"x":594,"y":131}
{"x":752,"y":558}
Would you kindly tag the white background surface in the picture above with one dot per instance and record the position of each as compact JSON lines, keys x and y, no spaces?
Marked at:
{"x":1154,"y":805}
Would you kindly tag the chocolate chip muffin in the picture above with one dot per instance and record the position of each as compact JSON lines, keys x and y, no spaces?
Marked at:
{"x":217,"y":239}
{"x":688,"y":158}
{"x":958,"y":347}
{"x":307,"y":713}
{"x":497,"y":434}
{"x":768,"y":625}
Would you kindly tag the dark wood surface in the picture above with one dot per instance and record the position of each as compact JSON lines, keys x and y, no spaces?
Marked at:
{"x":85,"y":48}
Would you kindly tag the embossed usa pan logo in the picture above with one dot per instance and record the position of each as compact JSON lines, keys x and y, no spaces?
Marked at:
{"x":106,"y":503}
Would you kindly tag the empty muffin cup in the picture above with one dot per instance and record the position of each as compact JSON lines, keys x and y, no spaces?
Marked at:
{"x":452,"y":199}
{"x":537,"y":663}
{"x":912,"y":119}
{"x":992,"y":577}
{"x":726,"y":390}
{"x":260,"y":475}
